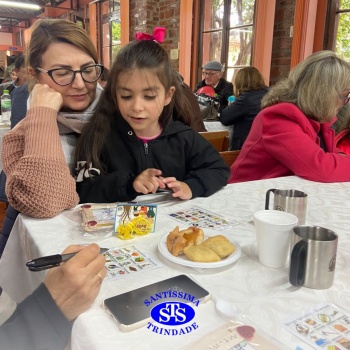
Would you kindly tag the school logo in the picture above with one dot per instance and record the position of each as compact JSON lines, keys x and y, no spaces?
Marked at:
{"x":172,"y":313}
{"x":172,"y":316}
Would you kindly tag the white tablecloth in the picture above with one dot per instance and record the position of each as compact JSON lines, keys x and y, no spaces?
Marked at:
{"x":263,"y":294}
{"x":217,"y":126}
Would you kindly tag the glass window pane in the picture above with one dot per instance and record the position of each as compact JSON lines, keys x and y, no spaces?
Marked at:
{"x":212,"y":45}
{"x":344,"y":4}
{"x":242,"y":12}
{"x":213,"y":14}
{"x":240,"y":46}
{"x":343,"y":39}
{"x":231,"y":73}
{"x":115,"y":50}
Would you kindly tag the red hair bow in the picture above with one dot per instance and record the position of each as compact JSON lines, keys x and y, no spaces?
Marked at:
{"x":158,"y":35}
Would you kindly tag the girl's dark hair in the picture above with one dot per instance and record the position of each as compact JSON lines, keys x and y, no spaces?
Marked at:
{"x":140,"y":55}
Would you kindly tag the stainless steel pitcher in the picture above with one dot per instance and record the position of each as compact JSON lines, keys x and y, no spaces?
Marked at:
{"x":291,"y":201}
{"x":313,"y":257}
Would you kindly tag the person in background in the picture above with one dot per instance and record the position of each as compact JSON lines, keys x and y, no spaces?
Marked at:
{"x":10,"y":75}
{"x":19,"y":95}
{"x":132,"y":146}
{"x":38,"y":153}
{"x":292,"y":135}
{"x":212,"y":73}
{"x":44,"y":320}
{"x":9,"y":78}
{"x":103,"y":78}
{"x":13,"y":73}
{"x":249,"y":89}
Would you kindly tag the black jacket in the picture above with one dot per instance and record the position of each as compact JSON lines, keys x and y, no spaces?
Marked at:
{"x":241,"y":114}
{"x":179,"y":151}
{"x":224,"y":89}
{"x":37,"y":324}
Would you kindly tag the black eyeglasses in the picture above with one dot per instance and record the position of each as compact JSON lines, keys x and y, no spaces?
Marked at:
{"x":346,"y":99}
{"x":65,"y":76}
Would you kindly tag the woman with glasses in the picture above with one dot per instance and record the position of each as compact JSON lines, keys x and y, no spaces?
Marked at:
{"x":292,"y":135}
{"x":64,"y":68}
{"x":212,"y":74}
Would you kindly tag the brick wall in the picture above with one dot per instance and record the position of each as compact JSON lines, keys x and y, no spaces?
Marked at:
{"x":282,"y":42}
{"x":146,"y":14}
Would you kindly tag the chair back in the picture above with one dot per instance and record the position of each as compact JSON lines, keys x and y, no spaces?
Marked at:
{"x":219,"y":139}
{"x":229,"y":156}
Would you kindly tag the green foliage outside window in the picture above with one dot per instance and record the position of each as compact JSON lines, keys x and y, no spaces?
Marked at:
{"x":343,"y":34}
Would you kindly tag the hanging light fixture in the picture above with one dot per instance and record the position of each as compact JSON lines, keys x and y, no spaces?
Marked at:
{"x":22,"y":5}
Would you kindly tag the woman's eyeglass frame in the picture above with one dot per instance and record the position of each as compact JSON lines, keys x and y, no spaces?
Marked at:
{"x":81,"y":71}
{"x":209,"y":74}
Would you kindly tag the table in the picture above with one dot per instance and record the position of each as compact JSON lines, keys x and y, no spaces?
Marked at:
{"x":263,"y":294}
{"x":217,"y":126}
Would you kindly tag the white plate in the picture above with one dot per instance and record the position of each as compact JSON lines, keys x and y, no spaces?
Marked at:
{"x":183,"y":260}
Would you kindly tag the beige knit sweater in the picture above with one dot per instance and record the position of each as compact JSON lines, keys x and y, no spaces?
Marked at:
{"x":39,"y":183}
{"x":38,"y":156}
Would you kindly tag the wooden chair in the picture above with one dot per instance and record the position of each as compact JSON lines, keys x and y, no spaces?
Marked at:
{"x":229,"y":156}
{"x":219,"y":139}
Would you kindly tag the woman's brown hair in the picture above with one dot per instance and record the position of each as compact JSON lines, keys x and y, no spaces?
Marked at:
{"x":44,"y":32}
{"x":247,"y":79}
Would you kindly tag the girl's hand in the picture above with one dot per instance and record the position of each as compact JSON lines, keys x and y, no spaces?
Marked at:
{"x":43,"y":96}
{"x":148,"y":181}
{"x":181,"y":189}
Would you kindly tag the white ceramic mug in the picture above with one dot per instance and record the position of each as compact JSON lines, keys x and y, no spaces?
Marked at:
{"x":274,"y":230}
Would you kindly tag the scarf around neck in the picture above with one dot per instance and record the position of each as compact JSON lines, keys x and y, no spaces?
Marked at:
{"x":69,"y":122}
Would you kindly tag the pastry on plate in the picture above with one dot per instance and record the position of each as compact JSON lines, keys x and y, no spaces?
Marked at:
{"x":200,"y":253}
{"x":193,"y":235}
{"x":220,"y":245}
{"x":175,"y":242}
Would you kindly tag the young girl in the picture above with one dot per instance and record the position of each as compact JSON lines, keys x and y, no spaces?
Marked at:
{"x":132,"y":146}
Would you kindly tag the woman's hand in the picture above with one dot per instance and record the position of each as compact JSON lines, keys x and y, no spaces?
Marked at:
{"x":44,"y":96}
{"x":75,"y":284}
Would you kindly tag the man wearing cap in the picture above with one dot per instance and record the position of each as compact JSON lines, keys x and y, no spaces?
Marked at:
{"x":212,"y":73}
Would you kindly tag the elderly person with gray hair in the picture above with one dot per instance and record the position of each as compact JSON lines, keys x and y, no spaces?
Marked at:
{"x":212,"y":73}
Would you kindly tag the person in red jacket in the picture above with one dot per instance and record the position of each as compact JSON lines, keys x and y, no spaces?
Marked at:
{"x":292,"y":133}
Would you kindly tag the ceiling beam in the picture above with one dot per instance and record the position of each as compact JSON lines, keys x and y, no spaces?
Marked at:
{"x":16,"y":16}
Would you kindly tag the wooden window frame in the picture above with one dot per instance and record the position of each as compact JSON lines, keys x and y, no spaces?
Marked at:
{"x":262,"y":39}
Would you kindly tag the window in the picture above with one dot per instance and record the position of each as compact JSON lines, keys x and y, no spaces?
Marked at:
{"x":110,"y":31}
{"x":342,"y":41}
{"x":337,"y":32}
{"x":227,"y":33}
